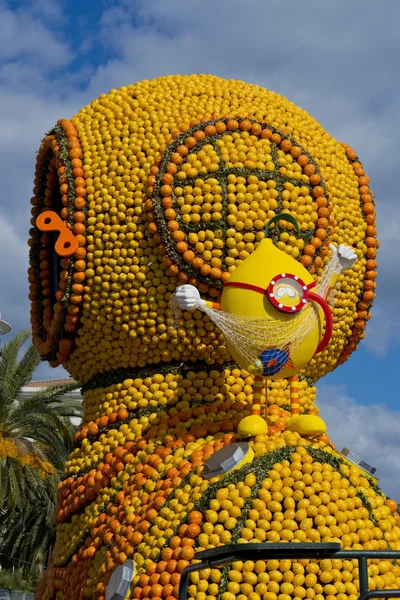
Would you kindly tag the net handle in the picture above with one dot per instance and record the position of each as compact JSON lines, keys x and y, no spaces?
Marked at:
{"x":289,"y":219}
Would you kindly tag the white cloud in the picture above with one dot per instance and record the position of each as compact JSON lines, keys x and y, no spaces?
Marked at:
{"x":48,"y":10}
{"x":13,"y":277}
{"x":384,"y":328}
{"x":116,"y":15}
{"x":372,"y":432}
{"x":338,"y":61}
{"x":23,"y":36}
{"x":44,"y":372}
{"x":24,"y":119}
{"x":316,"y":57}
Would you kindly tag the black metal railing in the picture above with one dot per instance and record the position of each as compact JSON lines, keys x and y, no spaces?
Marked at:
{"x":222,"y":555}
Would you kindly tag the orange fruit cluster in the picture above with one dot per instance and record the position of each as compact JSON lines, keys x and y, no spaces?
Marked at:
{"x":372,"y":244}
{"x":59,"y":186}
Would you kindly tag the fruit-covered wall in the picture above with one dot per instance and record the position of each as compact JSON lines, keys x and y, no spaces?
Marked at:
{"x":171,"y":182}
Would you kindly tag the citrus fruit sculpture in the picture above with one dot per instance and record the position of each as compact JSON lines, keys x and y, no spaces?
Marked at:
{"x":170,"y":183}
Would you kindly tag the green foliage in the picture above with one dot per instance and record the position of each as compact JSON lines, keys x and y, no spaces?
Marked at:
{"x":35,"y":426}
{"x":336,"y":461}
{"x":18,"y":581}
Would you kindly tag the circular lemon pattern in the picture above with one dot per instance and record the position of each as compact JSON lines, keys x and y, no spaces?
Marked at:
{"x":217,"y":185}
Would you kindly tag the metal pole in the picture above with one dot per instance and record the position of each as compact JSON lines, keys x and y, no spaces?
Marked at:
{"x":183,"y":584}
{"x":379,"y":594}
{"x":363,"y":574}
{"x":217,"y":557}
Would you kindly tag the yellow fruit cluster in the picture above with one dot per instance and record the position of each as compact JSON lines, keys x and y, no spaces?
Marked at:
{"x":177,"y":193}
{"x":241,"y":194}
{"x":8,"y":449}
{"x":152,"y":504}
{"x":134,"y":489}
{"x":167,"y":182}
{"x":156,"y":390}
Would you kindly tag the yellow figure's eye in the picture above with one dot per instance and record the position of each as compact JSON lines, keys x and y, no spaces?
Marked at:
{"x":281,"y":291}
{"x":287,"y":293}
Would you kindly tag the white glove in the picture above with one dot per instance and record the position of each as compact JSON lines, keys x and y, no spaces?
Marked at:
{"x":345,"y":255}
{"x":188,"y":298}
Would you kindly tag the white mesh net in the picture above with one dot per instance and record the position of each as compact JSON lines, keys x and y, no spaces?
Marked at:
{"x":332,"y":267}
{"x":273,"y":340}
{"x":269,"y":342}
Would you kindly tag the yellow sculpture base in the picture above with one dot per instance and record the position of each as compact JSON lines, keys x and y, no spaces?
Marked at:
{"x":245,"y":461}
{"x":252,"y":425}
{"x":307,"y":425}
{"x":361,"y":471}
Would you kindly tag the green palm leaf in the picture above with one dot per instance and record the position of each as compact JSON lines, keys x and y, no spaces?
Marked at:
{"x":8,"y":363}
{"x":22,"y":374}
{"x":15,"y":497}
{"x":4,"y":482}
{"x":36,"y":425}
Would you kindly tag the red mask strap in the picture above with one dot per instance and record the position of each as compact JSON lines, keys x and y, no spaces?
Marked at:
{"x":328,"y":320}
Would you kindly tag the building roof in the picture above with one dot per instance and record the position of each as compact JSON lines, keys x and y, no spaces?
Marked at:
{"x":38,"y":386}
{"x":48,"y":383}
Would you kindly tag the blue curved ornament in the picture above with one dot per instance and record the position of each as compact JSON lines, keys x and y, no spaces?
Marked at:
{"x":273,"y":360}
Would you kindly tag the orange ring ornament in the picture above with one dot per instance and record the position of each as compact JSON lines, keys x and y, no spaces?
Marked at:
{"x":66,"y":244}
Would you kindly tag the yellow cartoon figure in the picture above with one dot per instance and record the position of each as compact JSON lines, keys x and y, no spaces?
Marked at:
{"x":272,"y":314}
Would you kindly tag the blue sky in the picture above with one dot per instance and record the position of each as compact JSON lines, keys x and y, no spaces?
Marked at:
{"x":337,"y":60}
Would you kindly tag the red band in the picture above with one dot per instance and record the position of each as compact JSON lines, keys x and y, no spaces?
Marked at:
{"x":255,"y":288}
{"x":245,"y":286}
{"x":328,"y":320}
{"x":311,"y":295}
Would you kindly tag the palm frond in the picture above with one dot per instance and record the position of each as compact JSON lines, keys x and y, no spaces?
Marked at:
{"x":28,"y":534}
{"x":4,"y":482}
{"x":8,"y":362}
{"x":31,"y":425}
{"x":49,"y":440}
{"x":54,"y":400}
{"x":23,"y":372}
{"x":15,"y":494}
{"x":53,"y":432}
{"x":37,"y":425}
{"x":34,"y":484}
{"x":40,"y":534}
{"x":50,"y":444}
{"x":44,"y":417}
{"x":27,"y":446}
{"x":59,"y":394}
{"x":57,"y":399}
